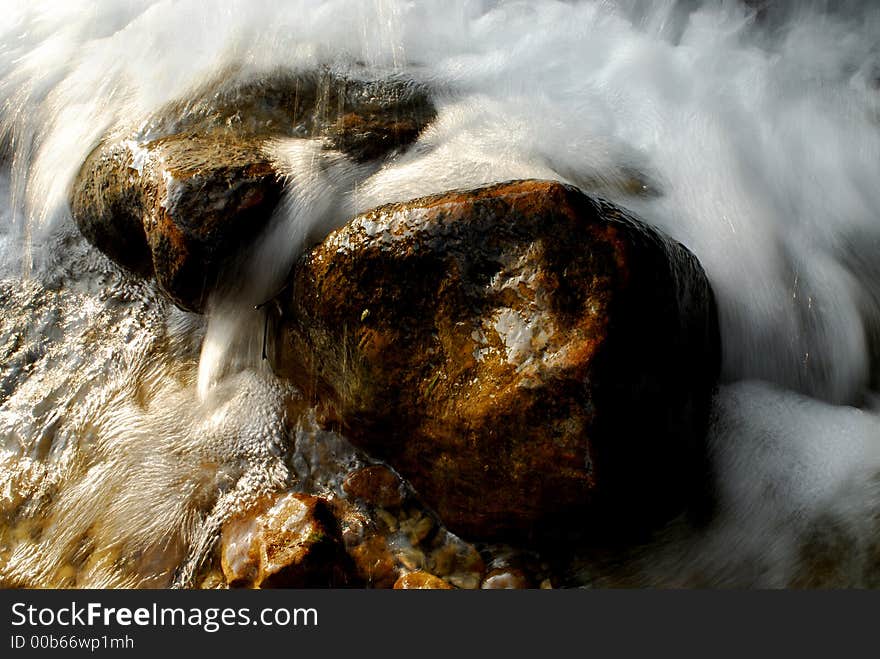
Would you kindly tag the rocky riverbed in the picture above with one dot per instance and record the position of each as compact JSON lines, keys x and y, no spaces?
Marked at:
{"x":522,"y":295}
{"x":520,"y":363}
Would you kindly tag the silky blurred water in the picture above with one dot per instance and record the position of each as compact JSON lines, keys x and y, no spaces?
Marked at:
{"x":131,"y":429}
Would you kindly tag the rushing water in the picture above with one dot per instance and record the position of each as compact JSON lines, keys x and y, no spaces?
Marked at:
{"x":130,"y":429}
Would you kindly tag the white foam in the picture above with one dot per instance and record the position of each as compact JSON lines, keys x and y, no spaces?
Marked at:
{"x":762,"y":140}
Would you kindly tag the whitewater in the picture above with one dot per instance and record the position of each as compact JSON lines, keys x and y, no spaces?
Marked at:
{"x":130,"y":430}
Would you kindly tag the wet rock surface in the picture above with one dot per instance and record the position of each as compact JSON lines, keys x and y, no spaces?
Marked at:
{"x":421,"y":581}
{"x":490,"y":345}
{"x":374,"y":544}
{"x":385,"y":545}
{"x":185,"y":193}
{"x":523,"y":354}
{"x":290,"y":541}
{"x":295,"y":539}
{"x":376,"y":484}
{"x":505,"y":580}
{"x":179,"y":207}
{"x":375,"y":563}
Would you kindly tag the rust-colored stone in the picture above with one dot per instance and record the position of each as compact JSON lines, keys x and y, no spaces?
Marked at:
{"x":374,"y":562}
{"x":421,"y":581}
{"x":376,"y":484}
{"x":185,"y":194}
{"x":288,"y":541}
{"x":534,"y":361}
{"x":179,"y":207}
{"x":506,"y":579}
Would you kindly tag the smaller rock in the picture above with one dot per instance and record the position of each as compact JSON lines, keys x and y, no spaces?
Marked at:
{"x":456,"y":561}
{"x":510,"y":579}
{"x":185,"y":193}
{"x":179,"y":207}
{"x":214,"y":580}
{"x":421,"y":581}
{"x":468,"y":581}
{"x":290,"y":540}
{"x":374,"y":563}
{"x":411,"y":558}
{"x":455,"y":557}
{"x":417,"y":528}
{"x":376,"y":485}
{"x":510,"y":568}
{"x":389,"y":521}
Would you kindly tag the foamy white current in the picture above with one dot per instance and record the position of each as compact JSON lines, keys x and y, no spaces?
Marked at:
{"x":129,"y":429}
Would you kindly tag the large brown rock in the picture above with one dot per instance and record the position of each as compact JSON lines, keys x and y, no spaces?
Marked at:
{"x":534,"y":361}
{"x":185,"y":194}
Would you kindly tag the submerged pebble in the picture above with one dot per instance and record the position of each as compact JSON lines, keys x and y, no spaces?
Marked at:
{"x":421,"y":581}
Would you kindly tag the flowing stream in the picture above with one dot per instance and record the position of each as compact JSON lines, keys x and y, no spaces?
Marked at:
{"x":750,"y":132}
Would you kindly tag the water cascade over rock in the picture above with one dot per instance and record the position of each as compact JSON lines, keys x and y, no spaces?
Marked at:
{"x":430,"y":294}
{"x":184,"y":195}
{"x":521,"y":353}
{"x":525,"y":355}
